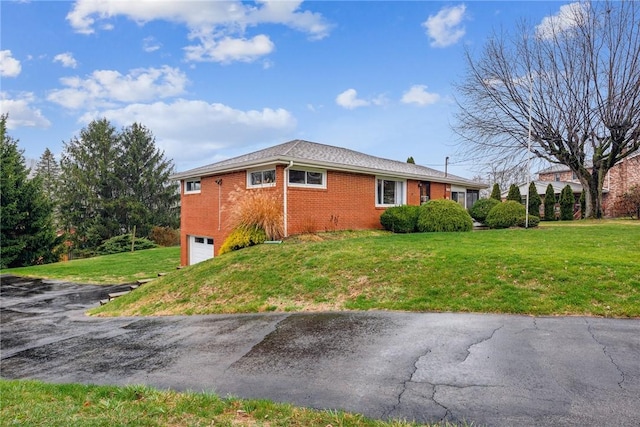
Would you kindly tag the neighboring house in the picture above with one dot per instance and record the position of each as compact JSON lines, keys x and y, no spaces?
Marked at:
{"x":327,"y":188}
{"x":620,"y":178}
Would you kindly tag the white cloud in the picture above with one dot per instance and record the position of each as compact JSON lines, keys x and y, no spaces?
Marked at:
{"x":191,"y":130}
{"x":418,"y":95}
{"x":568,"y":17}
{"x":228,"y":49}
{"x":444,"y":28}
{"x":9,"y":66}
{"x":217,"y":26}
{"x":106,"y":88}
{"x":66,"y":59}
{"x":21,"y":112}
{"x":349,"y":100}
{"x":150,"y":44}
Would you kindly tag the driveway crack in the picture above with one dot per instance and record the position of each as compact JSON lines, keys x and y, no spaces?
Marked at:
{"x":604,"y":351}
{"x":480,"y":341}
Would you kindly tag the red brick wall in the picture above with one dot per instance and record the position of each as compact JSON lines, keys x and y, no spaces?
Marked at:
{"x":348,"y":203}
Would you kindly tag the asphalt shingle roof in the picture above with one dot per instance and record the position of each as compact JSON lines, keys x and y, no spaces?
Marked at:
{"x":327,"y":156}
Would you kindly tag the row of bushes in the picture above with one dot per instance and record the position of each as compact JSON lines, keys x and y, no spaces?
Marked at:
{"x":496,"y":214}
{"x":447,"y":215}
{"x":435,"y":215}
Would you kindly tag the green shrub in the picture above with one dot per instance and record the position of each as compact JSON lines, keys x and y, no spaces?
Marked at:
{"x":514,"y":193}
{"x":122,"y":243}
{"x":243,"y":237}
{"x":481,"y":208}
{"x":534,"y":200}
{"x":534,"y":220}
{"x":443,"y":215}
{"x":507,"y":214}
{"x":165,"y":236}
{"x":401,"y":219}
{"x":495,"y":192}
{"x":567,"y":200}
{"x":550,"y":204}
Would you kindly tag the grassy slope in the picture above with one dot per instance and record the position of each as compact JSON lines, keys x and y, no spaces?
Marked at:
{"x":568,"y":269}
{"x":33,"y":403}
{"x":109,"y":269}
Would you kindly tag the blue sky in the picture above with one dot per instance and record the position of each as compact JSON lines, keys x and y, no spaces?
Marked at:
{"x":215,"y":79}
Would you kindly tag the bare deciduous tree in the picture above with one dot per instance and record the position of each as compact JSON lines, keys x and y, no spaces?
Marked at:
{"x":578,"y":73}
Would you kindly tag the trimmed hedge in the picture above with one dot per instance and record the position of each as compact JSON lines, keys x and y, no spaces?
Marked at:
{"x":243,"y":237}
{"x":481,"y":209}
{"x":510,"y":214}
{"x":443,"y":215}
{"x":401,"y":219}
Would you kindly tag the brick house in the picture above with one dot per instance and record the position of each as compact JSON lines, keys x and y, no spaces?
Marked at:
{"x":620,"y":178}
{"x":327,"y":188}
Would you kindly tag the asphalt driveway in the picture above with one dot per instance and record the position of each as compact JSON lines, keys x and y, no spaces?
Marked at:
{"x":496,"y":370}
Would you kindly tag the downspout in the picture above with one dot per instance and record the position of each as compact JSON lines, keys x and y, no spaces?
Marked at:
{"x":285,"y":192}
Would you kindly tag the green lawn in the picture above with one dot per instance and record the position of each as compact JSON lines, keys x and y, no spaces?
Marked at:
{"x":33,"y":403}
{"x":580,"y":268}
{"x":108,"y":269}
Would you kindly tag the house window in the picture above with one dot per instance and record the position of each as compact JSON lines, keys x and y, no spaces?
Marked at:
{"x":389,"y":192}
{"x":307,"y":178}
{"x":472,"y":197}
{"x":261,"y":178}
{"x":557,"y":177}
{"x":458,"y":196}
{"x":192,"y":186}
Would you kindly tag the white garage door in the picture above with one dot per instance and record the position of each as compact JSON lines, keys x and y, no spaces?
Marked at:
{"x":200,"y":249}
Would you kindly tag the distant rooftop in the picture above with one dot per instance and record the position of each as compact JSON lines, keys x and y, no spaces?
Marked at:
{"x":330,"y":157}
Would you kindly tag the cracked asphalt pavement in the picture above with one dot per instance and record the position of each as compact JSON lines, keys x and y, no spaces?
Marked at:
{"x":495,"y":370}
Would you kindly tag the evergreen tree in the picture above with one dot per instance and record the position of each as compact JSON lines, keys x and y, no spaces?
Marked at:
{"x":115,"y":181}
{"x":514,"y":194}
{"x":27,"y":233}
{"x":495,"y":192}
{"x":148,"y":197}
{"x":567,"y":200}
{"x":534,"y":200}
{"x":549,"y":204}
{"x":48,"y":170}
{"x":583,"y":204}
{"x":90,"y":189}
{"x":410,"y":160}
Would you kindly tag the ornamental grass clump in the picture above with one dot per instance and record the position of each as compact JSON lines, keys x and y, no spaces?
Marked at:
{"x":443,"y":215}
{"x":401,"y":219}
{"x":510,"y":214}
{"x":481,"y":209}
{"x":255,"y":217}
{"x":257,"y":208}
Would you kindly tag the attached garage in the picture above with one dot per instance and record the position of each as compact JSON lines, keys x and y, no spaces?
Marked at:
{"x":200,"y":249}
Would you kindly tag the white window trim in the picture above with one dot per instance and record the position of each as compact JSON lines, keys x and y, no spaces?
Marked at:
{"x":322,"y":171}
{"x":193,"y":191}
{"x":269,"y":184}
{"x":403,"y":191}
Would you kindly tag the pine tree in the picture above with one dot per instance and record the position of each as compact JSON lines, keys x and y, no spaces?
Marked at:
{"x":115,"y":181}
{"x":495,"y":192}
{"x":148,"y":197}
{"x":534,"y":200}
{"x":567,"y":200}
{"x":90,"y":186}
{"x":549,"y":204}
{"x":583,"y":204}
{"x":514,"y":194}
{"x":410,"y":160}
{"x":27,"y":233}
{"x":48,"y":170}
